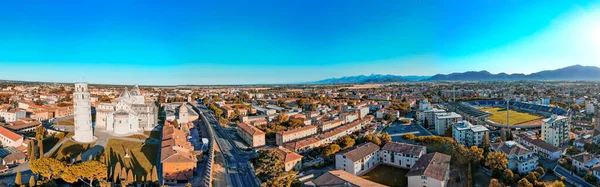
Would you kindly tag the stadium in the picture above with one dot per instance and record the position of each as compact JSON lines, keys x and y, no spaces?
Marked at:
{"x":493,"y":113}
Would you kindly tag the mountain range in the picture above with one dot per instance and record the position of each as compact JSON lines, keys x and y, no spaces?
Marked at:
{"x":570,"y":73}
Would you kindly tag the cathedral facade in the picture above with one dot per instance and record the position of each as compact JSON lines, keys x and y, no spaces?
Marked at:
{"x":129,"y":115}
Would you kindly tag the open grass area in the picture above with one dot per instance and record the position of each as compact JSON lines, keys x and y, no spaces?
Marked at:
{"x":142,"y":156}
{"x":515,"y":117}
{"x":70,"y":149}
{"x":387,"y":175}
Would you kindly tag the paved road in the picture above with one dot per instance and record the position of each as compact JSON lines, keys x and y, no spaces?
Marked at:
{"x":571,"y":179}
{"x":238,"y":169}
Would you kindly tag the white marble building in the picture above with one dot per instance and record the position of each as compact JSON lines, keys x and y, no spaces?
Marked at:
{"x":129,"y":115}
{"x":84,"y":131}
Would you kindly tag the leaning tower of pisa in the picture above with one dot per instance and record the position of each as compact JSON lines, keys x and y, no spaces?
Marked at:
{"x":84,"y":132}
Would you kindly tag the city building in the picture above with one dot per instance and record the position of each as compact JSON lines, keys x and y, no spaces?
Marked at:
{"x":584,"y":162}
{"x":469,"y":135}
{"x":129,"y":115}
{"x":12,"y":114}
{"x":540,"y":147}
{"x":401,"y":155}
{"x":340,"y":178}
{"x":590,"y":108}
{"x":84,"y":131}
{"x":9,"y":138}
{"x":445,"y":120}
{"x":177,"y":155}
{"x":282,"y":137}
{"x":555,"y":130}
{"x":291,"y":160}
{"x":431,"y":170}
{"x":359,"y":159}
{"x":252,"y":135}
{"x":331,"y":124}
{"x":520,"y":159}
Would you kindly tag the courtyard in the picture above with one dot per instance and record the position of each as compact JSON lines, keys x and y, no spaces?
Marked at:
{"x":387,"y":175}
{"x":397,"y":129}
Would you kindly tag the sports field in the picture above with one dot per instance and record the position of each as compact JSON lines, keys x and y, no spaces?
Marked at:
{"x":499,"y":116}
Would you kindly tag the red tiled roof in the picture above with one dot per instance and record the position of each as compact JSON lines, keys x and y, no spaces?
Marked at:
{"x":10,"y":134}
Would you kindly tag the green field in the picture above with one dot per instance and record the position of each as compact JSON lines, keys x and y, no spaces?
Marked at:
{"x":499,"y":116}
{"x":387,"y":175}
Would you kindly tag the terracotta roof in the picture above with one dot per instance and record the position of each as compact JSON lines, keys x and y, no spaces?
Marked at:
{"x":301,"y":143}
{"x":542,"y":144}
{"x":360,"y":151}
{"x":403,"y":148}
{"x":10,"y":134}
{"x":433,"y":165}
{"x":288,"y":156}
{"x":342,"y":178}
{"x":297,"y":130}
{"x":250,"y":129}
{"x":14,"y":157}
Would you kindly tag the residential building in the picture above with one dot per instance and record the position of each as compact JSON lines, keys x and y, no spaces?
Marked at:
{"x":445,"y":120}
{"x":431,"y":170}
{"x":10,"y":138}
{"x":282,"y":137}
{"x":23,"y":126}
{"x":359,"y":159}
{"x":540,"y":147}
{"x":331,"y":124}
{"x":252,"y":135}
{"x":555,"y":130}
{"x":584,"y":162}
{"x":590,"y":108}
{"x":401,"y":155}
{"x":177,"y":155}
{"x":469,"y":135}
{"x":12,"y":114}
{"x":291,"y":160}
{"x":519,"y":157}
{"x":340,"y":178}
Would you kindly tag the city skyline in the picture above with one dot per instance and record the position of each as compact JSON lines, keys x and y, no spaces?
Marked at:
{"x":201,"y":43}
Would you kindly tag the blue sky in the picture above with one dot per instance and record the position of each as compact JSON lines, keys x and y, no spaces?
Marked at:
{"x":245,"y":42}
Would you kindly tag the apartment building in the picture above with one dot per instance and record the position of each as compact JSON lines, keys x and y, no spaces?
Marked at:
{"x":445,"y":120}
{"x":282,"y":137}
{"x":252,"y":135}
{"x":540,"y":147}
{"x":555,"y":130}
{"x":291,"y":160}
{"x":359,"y":159}
{"x":331,"y":124}
{"x":431,"y":170}
{"x":469,"y":135}
{"x":520,"y":159}
{"x":12,"y":114}
{"x":584,"y":162}
{"x":9,"y":138}
{"x":428,"y":116}
{"x":401,"y":155}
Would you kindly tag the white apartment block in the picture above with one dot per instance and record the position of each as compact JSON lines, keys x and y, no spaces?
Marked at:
{"x":555,"y":130}
{"x":590,"y":108}
{"x":520,"y":159}
{"x":468,"y":134}
{"x":358,"y":160}
{"x":401,"y":155}
{"x":428,"y":115}
{"x":445,"y":120}
{"x":363,"y":111}
{"x":12,"y":115}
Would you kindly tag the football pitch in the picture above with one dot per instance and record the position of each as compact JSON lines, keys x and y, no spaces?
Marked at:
{"x":499,"y":116}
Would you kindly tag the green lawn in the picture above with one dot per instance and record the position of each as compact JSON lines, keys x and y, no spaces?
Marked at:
{"x":387,"y":175}
{"x":142,"y":156}
{"x":499,"y":116}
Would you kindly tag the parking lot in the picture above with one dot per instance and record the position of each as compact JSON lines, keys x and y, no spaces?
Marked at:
{"x":397,"y":129}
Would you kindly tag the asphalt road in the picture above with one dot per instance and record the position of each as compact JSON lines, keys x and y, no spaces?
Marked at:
{"x":238,"y":169}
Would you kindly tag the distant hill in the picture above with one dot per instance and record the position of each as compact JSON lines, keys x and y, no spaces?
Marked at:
{"x":373,"y":78}
{"x":570,"y":73}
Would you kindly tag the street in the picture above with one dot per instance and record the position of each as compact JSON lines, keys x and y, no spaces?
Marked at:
{"x":238,"y":169}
